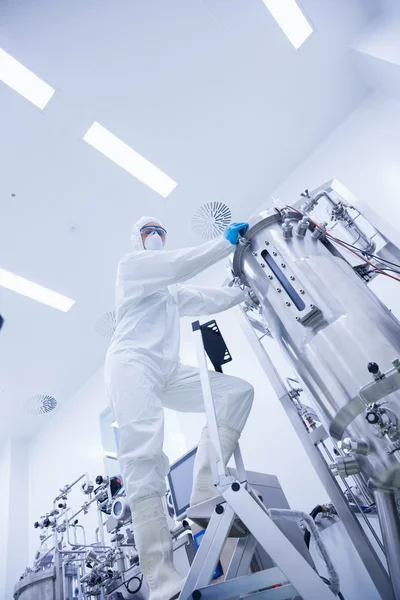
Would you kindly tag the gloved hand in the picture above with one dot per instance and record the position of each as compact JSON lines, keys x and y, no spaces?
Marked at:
{"x":231,"y":233}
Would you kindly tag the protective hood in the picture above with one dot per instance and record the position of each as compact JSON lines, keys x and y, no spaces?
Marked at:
{"x":136,"y":237}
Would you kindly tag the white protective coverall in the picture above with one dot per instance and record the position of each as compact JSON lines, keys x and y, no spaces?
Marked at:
{"x":143,"y":372}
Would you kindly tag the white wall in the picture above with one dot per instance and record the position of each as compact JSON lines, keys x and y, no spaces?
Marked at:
{"x":4,"y":511}
{"x":18,"y":526}
{"x":363,"y":153}
{"x":13,"y":514}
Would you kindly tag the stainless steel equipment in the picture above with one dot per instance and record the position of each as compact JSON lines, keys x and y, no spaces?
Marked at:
{"x":37,"y":586}
{"x":105,"y":568}
{"x":331,"y":327}
{"x":343,"y":343}
{"x":68,"y":568}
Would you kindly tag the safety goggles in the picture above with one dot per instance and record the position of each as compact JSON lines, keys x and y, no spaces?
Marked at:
{"x":149,"y":229}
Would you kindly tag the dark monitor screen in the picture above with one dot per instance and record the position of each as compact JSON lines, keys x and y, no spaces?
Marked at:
{"x":180,"y":481}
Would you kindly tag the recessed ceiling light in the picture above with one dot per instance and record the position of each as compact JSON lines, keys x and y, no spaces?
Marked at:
{"x":290,"y":19}
{"x":34,"y":291}
{"x":23,"y":81}
{"x":123,"y":155}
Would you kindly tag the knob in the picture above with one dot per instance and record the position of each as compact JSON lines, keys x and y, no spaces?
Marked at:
{"x":373,"y":368}
{"x":344,"y":467}
{"x":319,"y":232}
{"x":302,"y":227}
{"x":87,"y":487}
{"x":287,"y":229}
{"x":99,"y":479}
{"x":36,"y":524}
{"x":351,"y":447}
{"x":348,"y":446}
{"x":372,"y":417}
{"x":46,"y":522}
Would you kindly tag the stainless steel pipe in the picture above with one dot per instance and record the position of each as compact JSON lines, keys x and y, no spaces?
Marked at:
{"x":390,"y":526}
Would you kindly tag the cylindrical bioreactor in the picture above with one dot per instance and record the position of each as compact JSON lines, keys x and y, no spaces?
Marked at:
{"x":331,"y":327}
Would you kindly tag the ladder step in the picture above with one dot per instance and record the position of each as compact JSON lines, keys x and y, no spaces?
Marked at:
{"x":238,"y":529}
{"x":202,"y":513}
{"x":240,"y":586}
{"x":284,"y":592}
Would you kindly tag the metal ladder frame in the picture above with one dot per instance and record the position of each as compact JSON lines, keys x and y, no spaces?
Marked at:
{"x":293,"y":574}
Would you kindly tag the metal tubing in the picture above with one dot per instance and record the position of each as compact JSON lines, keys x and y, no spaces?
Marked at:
{"x":83,"y":508}
{"x":70,"y":486}
{"x":368,"y":244}
{"x":390,"y":526}
{"x":48,"y":552}
{"x":364,"y":516}
{"x":101,"y":527}
{"x":57,"y":564}
{"x":349,"y":490}
{"x":76,"y":537}
{"x":64,"y":581}
{"x":240,"y":468}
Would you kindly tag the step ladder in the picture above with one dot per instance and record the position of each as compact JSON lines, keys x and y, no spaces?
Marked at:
{"x":240,"y":512}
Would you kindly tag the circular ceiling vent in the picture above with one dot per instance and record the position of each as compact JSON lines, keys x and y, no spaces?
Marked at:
{"x":105,"y":324}
{"x":210,"y":220}
{"x":40,"y":404}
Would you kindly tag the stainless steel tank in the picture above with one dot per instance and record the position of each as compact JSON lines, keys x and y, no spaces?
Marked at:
{"x":42,"y":585}
{"x":330,"y":326}
{"x":37,"y":586}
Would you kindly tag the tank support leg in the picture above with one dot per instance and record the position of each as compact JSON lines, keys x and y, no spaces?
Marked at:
{"x":390,"y":525}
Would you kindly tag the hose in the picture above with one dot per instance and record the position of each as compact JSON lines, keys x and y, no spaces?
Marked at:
{"x":307,"y":535}
{"x":325,"y":580}
{"x":297,"y":515}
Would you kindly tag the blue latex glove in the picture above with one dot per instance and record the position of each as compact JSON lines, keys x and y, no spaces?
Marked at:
{"x":231,"y":233}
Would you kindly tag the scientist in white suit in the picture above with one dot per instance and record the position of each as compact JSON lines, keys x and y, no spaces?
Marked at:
{"x":144,"y":375}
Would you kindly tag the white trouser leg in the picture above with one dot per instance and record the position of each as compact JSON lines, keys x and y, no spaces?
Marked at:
{"x":134,"y":391}
{"x":154,"y":546}
{"x":203,"y":483}
{"x":233,"y":399}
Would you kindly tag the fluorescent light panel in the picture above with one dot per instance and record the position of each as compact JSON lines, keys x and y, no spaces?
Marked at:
{"x":290,"y":19}
{"x":123,"y":155}
{"x":23,"y":81}
{"x":34,"y":291}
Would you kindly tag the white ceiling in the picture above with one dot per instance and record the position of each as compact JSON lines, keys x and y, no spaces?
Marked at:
{"x":210,"y":91}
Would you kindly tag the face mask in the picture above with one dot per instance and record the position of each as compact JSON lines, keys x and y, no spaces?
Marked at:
{"x":153,"y":242}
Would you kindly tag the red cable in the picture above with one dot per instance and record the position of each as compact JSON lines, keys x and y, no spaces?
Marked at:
{"x":344,"y":245}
